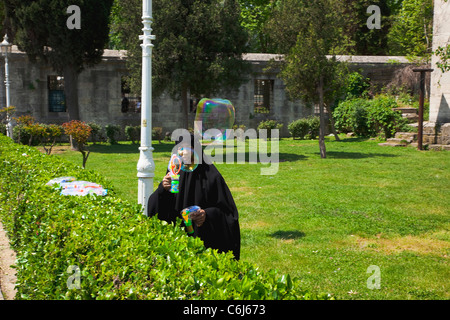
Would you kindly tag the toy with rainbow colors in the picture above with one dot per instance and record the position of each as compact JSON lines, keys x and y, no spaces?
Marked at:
{"x":174,"y":168}
{"x":186,"y":214}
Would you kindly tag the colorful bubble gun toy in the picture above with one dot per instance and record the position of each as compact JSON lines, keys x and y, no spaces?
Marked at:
{"x":174,"y":169}
{"x":185,"y":213}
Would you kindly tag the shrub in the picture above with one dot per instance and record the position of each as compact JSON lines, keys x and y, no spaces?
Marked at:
{"x":20,"y":134}
{"x":305,"y":128}
{"x":369,"y":117}
{"x":120,"y":253}
{"x":80,"y":132}
{"x":95,"y":131}
{"x":270,"y":125}
{"x":157,"y":134}
{"x":356,"y":86}
{"x":382,"y":119}
{"x":111,"y":131}
{"x":133,"y":133}
{"x":351,"y":116}
{"x":314,"y":126}
{"x":299,"y":128}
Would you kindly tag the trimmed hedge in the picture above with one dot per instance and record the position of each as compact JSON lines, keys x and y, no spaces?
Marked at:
{"x":121,"y":254}
{"x":305,"y":128}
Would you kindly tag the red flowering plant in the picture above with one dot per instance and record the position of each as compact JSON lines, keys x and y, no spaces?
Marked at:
{"x":80,"y":132}
{"x":25,"y":120}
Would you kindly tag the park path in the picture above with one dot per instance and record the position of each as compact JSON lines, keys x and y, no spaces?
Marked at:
{"x":7,"y":274}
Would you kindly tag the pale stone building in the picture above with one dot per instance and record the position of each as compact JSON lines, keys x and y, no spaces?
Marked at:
{"x":437,"y":131}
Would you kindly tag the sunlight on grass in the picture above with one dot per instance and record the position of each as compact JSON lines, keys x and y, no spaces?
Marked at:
{"x":327,"y":220}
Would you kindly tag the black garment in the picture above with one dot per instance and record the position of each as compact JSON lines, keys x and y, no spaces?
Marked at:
{"x":125,"y":104}
{"x":206,"y":188}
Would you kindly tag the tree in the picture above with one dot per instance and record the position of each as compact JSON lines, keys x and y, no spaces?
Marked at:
{"x":412,"y":30}
{"x":311,"y":70}
{"x":80,"y":132}
{"x":40,"y":29}
{"x":198,"y":47}
{"x":255,"y":14}
{"x":363,"y":40}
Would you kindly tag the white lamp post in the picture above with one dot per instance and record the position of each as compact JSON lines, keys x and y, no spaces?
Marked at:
{"x":5,"y":47}
{"x":146,"y":165}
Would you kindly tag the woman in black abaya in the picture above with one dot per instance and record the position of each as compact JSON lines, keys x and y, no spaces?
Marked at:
{"x":216,"y":223}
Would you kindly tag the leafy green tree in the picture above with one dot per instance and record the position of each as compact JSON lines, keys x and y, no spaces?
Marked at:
{"x":365,"y":41}
{"x":40,"y":29}
{"x":255,"y":14}
{"x":198,"y":47}
{"x":282,"y":26}
{"x":311,"y":70}
{"x":411,"y":33}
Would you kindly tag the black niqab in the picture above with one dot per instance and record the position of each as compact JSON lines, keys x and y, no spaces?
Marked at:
{"x":206,"y":188}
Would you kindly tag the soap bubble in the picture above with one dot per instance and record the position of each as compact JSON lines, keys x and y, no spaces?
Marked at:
{"x":189,"y":158}
{"x":216,"y":114}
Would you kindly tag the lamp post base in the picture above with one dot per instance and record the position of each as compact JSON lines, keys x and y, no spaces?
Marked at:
{"x":146,"y":169}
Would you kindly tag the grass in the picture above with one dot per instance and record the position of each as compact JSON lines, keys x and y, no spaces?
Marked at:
{"x":327,"y":221}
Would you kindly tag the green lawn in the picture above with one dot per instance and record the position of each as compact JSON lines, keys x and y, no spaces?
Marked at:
{"x":327,"y":220}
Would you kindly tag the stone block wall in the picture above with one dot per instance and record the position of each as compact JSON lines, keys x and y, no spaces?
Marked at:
{"x":440,"y":82}
{"x":100,"y":92}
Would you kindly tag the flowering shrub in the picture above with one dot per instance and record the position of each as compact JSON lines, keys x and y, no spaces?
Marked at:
{"x":25,"y":120}
{"x":80,"y":132}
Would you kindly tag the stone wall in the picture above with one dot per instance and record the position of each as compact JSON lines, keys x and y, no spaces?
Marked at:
{"x":100,"y":92}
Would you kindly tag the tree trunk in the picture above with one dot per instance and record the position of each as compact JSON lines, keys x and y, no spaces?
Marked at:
{"x":184,"y":98}
{"x":85,"y":157}
{"x":333,"y":128}
{"x":323,"y":152}
{"x":71,"y":93}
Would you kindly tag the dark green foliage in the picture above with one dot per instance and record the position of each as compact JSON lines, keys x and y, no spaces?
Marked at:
{"x":120,"y":253}
{"x":369,"y":117}
{"x":356,"y":85}
{"x":78,"y":47}
{"x":133,"y":133}
{"x":305,"y":128}
{"x":269,"y":125}
{"x":351,"y":116}
{"x":95,"y":132}
{"x":412,"y":30}
{"x":112,"y":131}
{"x":198,"y":44}
{"x":299,"y":128}
{"x":39,"y":28}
